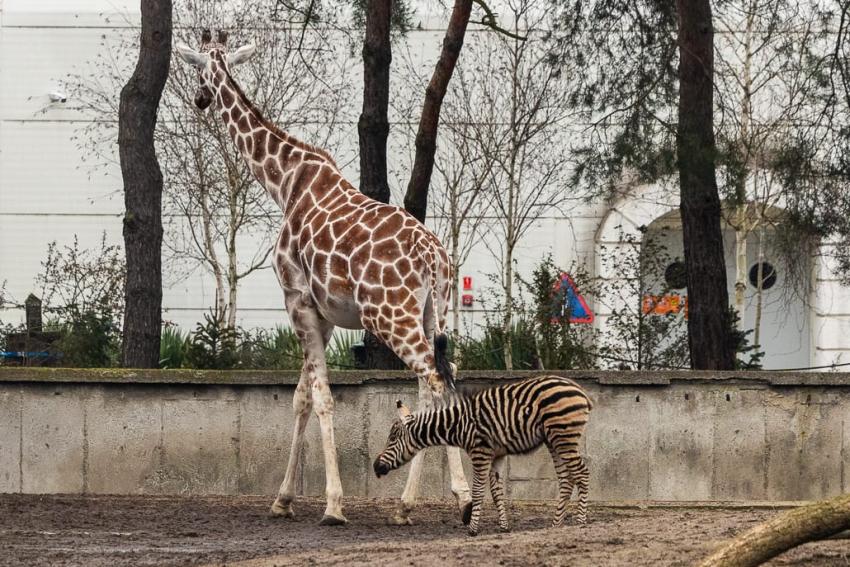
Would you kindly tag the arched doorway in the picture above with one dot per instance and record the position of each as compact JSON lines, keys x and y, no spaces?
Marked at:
{"x":650,"y":214}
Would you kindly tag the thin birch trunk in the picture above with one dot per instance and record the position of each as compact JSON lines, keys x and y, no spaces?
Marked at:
{"x":741,"y":232}
{"x":232,"y":268}
{"x":759,"y":289}
{"x":212,"y":257}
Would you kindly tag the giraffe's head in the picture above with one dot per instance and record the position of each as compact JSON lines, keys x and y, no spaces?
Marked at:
{"x":210,"y":61}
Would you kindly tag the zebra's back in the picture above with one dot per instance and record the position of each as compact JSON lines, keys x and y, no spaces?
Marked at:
{"x":519,"y":417}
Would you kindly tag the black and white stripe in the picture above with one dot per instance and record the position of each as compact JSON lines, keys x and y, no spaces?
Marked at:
{"x":507,"y":420}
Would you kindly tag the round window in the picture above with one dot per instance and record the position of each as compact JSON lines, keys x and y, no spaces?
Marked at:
{"x":676,"y":275}
{"x":768,"y":275}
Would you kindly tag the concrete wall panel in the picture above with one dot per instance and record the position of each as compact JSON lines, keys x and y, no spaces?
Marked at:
{"x":53,"y":423}
{"x":10,"y":440}
{"x":124,"y":437}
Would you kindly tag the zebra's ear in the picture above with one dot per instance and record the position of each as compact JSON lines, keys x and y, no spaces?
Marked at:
{"x":403,"y":411}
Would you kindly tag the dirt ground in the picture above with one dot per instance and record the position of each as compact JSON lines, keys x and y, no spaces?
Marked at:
{"x":142,"y":530}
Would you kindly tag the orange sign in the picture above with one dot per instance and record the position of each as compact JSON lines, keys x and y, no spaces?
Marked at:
{"x":664,"y":304}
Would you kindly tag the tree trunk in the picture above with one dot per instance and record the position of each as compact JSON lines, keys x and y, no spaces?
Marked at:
{"x":455,"y":256}
{"x":779,"y":534}
{"x":759,"y":287}
{"x":741,"y":233}
{"x":709,"y":326}
{"x":211,"y":256}
{"x":416,"y":199}
{"x":143,"y":188}
{"x":373,"y":129}
{"x":373,"y":126}
{"x":508,"y":322}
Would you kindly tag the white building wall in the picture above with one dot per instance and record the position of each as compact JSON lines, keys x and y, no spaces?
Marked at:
{"x":47,"y":193}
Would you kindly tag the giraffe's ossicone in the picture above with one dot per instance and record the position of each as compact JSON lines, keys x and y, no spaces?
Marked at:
{"x":342,"y":259}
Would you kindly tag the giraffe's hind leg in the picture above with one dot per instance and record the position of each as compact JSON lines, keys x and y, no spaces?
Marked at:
{"x":411,"y":487}
{"x":459,"y":486}
{"x":406,"y":336}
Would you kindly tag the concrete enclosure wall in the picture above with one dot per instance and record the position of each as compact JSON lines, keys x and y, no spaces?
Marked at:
{"x":660,"y":436}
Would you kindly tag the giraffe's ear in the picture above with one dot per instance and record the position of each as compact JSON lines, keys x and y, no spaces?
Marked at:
{"x":191,"y":56}
{"x":240,"y":55}
{"x":403,"y":411}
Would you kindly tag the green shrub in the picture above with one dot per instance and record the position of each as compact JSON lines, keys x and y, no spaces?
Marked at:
{"x":275,"y":349}
{"x":88,"y":340}
{"x":486,"y":353}
{"x":213,"y":345}
{"x":339,"y":353}
{"x":173,"y":348}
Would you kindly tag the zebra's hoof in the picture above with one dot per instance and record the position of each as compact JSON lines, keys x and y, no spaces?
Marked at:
{"x":504,"y":529}
{"x":329,"y":520}
{"x":466,"y":514}
{"x":472,"y":532}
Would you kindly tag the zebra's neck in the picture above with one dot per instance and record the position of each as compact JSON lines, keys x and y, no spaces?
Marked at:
{"x":450,"y":425}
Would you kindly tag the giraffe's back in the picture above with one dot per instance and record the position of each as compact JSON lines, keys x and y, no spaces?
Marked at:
{"x":364,"y":261}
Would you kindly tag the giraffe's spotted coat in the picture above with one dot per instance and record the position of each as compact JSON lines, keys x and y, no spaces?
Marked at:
{"x":342,"y":259}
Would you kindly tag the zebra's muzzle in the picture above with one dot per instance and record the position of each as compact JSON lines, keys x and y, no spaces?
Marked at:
{"x":381,"y":469}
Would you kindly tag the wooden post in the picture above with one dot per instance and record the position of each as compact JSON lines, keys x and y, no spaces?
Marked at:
{"x":32,"y":306}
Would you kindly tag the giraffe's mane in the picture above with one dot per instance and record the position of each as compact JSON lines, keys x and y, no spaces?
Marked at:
{"x":274,"y":128}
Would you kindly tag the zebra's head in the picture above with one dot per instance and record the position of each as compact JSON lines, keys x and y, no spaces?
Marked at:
{"x":400,"y":448}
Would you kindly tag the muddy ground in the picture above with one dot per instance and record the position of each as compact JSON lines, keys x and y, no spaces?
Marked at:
{"x":143,"y":530}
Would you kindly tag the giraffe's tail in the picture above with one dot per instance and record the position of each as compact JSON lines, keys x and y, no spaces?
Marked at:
{"x":441,"y":361}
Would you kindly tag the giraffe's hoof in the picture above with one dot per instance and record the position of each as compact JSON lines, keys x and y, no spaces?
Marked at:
{"x":466,"y":514}
{"x":400,"y":519}
{"x":280,"y":510}
{"x":329,"y":520}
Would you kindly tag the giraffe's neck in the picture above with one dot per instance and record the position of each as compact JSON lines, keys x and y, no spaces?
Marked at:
{"x":272,"y":155}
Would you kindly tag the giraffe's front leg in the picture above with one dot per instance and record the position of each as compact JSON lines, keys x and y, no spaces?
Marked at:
{"x":324,"y":406}
{"x":313,"y":391}
{"x":302,"y":403}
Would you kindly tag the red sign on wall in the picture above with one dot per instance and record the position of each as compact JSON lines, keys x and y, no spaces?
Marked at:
{"x":466,"y":299}
{"x":467,"y":282}
{"x":669,"y":304}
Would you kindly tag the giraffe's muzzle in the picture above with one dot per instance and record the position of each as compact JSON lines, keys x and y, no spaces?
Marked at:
{"x":203,"y":99}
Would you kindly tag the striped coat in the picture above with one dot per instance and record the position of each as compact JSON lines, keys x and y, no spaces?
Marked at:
{"x":506,"y":420}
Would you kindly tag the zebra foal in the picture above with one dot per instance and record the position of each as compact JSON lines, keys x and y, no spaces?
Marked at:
{"x":506,"y":420}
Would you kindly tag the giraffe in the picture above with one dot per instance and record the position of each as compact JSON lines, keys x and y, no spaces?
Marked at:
{"x":342,"y":259}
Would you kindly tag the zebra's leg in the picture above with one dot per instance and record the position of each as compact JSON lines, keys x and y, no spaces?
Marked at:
{"x":580,"y":475}
{"x":565,"y":487}
{"x":497,"y":491}
{"x":481,"y":464}
{"x":411,"y":488}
